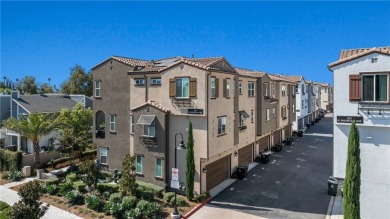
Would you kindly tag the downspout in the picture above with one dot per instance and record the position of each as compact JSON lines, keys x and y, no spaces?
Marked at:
{"x":166,"y":151}
{"x":207,"y":109}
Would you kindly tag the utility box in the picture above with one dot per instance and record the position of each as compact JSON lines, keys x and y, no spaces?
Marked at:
{"x":26,"y":171}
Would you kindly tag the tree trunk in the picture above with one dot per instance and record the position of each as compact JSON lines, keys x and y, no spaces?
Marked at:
{"x":37,"y":160}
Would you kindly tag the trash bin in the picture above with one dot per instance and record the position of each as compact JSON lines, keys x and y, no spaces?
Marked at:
{"x":332,"y":186}
{"x":312,"y":122}
{"x":300,"y":133}
{"x":308,"y":125}
{"x":264,"y":157}
{"x":242,"y":171}
{"x":289,"y":140}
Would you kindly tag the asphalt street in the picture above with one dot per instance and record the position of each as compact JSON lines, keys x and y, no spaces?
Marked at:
{"x":292,"y":185}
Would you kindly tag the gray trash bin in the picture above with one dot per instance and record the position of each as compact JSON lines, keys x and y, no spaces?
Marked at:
{"x":332,"y":186}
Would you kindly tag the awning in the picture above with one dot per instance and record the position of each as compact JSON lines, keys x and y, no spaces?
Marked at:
{"x":244,"y":114}
{"x":146,"y":119}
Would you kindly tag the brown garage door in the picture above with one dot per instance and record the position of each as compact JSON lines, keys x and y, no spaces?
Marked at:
{"x":245,"y":155}
{"x":217,"y":172}
{"x":277,"y":137}
{"x":263,"y":143}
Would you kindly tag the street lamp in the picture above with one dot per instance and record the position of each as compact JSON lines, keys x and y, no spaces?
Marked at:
{"x":181,"y":146}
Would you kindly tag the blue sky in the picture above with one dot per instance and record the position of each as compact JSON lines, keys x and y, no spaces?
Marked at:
{"x":45,"y":39}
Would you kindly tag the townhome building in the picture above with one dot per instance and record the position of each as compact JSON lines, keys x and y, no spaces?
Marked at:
{"x":301,"y":103}
{"x":313,"y":101}
{"x":326,"y":96}
{"x":17,"y":106}
{"x":361,"y":95}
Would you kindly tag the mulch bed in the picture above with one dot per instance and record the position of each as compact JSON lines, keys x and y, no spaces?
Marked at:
{"x":4,"y":181}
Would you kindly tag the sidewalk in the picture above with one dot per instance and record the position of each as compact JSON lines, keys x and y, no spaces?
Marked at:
{"x":11,"y":196}
{"x":335,"y":209}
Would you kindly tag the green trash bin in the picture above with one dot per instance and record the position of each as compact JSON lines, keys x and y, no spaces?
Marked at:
{"x":332,"y":186}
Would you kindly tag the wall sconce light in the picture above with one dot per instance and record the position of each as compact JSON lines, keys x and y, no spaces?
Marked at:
{"x":369,"y":137}
{"x":235,"y":153}
{"x":204,"y":170}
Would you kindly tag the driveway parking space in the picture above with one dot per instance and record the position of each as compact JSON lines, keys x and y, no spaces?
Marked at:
{"x":292,"y":185}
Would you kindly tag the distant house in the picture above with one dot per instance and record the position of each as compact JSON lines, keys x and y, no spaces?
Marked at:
{"x":362,"y":94}
{"x":16,"y":105}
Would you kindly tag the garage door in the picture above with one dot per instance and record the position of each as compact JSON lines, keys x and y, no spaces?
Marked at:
{"x":263,"y":143}
{"x":245,"y":155}
{"x":277,"y":137}
{"x":287,"y":131}
{"x":217,"y":172}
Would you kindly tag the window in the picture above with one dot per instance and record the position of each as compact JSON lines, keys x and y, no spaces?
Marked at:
{"x":374,"y":60}
{"x":283,"y":109}
{"x":97,"y":88}
{"x":149,"y":130}
{"x":182,"y":87}
{"x":288,"y":89}
{"x":156,"y":81}
{"x":283,"y":90}
{"x":221,"y":125}
{"x":112,"y":122}
{"x":267,"y":115}
{"x":132,"y":125}
{"x":241,"y":120}
{"x":252,"y":120}
{"x":159,"y":167}
{"x":266,"y":89}
{"x":139,"y":81}
{"x":273,"y":89}
{"x":103,"y":155}
{"x":297,"y":89}
{"x":227,"y":88}
{"x":303,"y":88}
{"x":139,"y":164}
{"x":212,"y":84}
{"x":293,"y":108}
{"x":293,"y":89}
{"x":325,"y":90}
{"x":303,"y":104}
{"x":375,"y":87}
{"x":273,"y":113}
{"x":240,"y":87}
{"x":251,"y":89}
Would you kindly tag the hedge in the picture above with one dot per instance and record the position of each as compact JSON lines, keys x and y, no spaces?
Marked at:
{"x":72,"y":177}
{"x":79,"y":186}
{"x":102,"y":187}
{"x":157,"y":190}
{"x":50,"y":181}
{"x":89,"y":152}
{"x":10,"y":160}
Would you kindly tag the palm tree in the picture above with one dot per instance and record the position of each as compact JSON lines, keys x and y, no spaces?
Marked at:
{"x":34,"y":127}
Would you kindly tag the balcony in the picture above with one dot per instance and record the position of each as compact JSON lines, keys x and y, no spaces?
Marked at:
{"x":101,"y":133}
{"x":148,"y":141}
{"x":242,"y":127}
{"x":374,"y":109}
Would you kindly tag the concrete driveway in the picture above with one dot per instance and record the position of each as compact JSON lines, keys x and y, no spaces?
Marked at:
{"x":292,"y":185}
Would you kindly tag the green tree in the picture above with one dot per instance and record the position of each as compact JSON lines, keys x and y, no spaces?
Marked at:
{"x":75,"y":129}
{"x":90,"y":171}
{"x":352,"y":180}
{"x":190,"y":165}
{"x":30,"y":205}
{"x":27,"y":85}
{"x":127,"y":183}
{"x":34,"y":127}
{"x":80,"y":82}
{"x":46,"y":88}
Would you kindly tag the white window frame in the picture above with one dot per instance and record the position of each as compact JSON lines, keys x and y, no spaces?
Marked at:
{"x":221,"y":125}
{"x":182,"y":88}
{"x":273,"y":89}
{"x":227,"y":88}
{"x":139,"y":81}
{"x":283,"y":90}
{"x":102,"y":155}
{"x":149,"y":128}
{"x":266,"y":89}
{"x":136,"y":163}
{"x":241,"y":121}
{"x":112,"y":122}
{"x":132,"y":124}
{"x":212,"y":86}
{"x":252,"y":116}
{"x":97,"y":88}
{"x":267,"y":115}
{"x":251,"y":89}
{"x":239,"y":87}
{"x":293,"y":108}
{"x":155,"y":81}
{"x":161,"y":167}
{"x":374,"y":88}
{"x":273,"y":113}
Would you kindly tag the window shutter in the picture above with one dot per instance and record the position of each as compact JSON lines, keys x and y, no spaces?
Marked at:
{"x":192,"y":87}
{"x":264,"y":85}
{"x":172,"y":87}
{"x":354,"y":88}
{"x":224,"y":87}
{"x":216,"y":87}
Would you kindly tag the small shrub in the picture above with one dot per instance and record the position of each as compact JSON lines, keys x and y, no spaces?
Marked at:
{"x":116,"y":210}
{"x":10,"y":160}
{"x":94,"y":203}
{"x":147,"y":195}
{"x":4,"y":209}
{"x":202,"y":197}
{"x":15,"y":176}
{"x":129,"y":202}
{"x":106,"y":195}
{"x":74,"y":197}
{"x":142,"y":205}
{"x":52,"y":189}
{"x":157,"y":190}
{"x":116,"y":197}
{"x":105,"y":174}
{"x":72,"y":177}
{"x":168,"y":196}
{"x":139,"y":191}
{"x":134,"y":213}
{"x":3,"y":205}
{"x":79,"y":186}
{"x":60,"y":174}
{"x":50,"y":181}
{"x":65,"y":188}
{"x":4,"y":174}
{"x":107,"y":208}
{"x":102,"y":187}
{"x":153,"y":210}
{"x":180,"y":202}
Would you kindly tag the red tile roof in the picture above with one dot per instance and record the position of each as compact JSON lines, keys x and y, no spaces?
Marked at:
{"x":153,"y":104}
{"x":127,"y":61}
{"x":351,"y":54}
{"x":250,"y":73}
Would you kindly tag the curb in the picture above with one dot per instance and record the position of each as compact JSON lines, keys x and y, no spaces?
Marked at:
{"x":330,"y":208}
{"x":196,"y":208}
